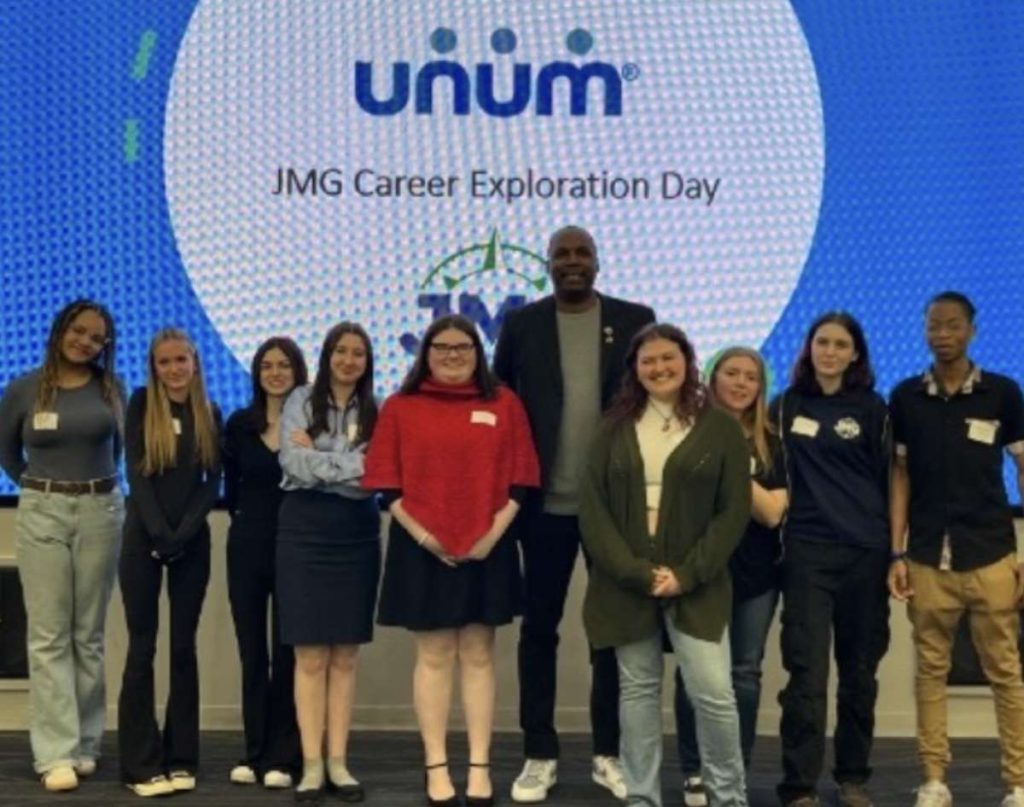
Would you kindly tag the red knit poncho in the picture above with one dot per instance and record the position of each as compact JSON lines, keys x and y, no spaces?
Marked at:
{"x":454,"y":456}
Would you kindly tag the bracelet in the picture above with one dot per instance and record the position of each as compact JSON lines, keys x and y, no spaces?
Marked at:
{"x":896,"y":556}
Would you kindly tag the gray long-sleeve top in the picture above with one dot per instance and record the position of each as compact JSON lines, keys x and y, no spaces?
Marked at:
{"x":77,"y":440}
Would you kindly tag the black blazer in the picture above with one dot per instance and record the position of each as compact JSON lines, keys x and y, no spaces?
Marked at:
{"x":527,"y":359}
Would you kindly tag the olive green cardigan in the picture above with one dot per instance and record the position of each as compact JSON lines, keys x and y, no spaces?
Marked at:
{"x":704,"y":510}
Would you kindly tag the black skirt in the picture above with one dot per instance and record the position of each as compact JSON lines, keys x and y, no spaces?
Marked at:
{"x":421,"y":593}
{"x":328,"y":565}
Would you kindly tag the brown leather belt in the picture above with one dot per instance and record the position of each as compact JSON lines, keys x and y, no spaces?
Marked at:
{"x":70,"y":488}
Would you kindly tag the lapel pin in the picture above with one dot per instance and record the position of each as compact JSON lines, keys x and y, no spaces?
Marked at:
{"x":609,"y":335}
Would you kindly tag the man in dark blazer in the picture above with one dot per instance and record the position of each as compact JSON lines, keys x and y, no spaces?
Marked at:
{"x":564,"y":356}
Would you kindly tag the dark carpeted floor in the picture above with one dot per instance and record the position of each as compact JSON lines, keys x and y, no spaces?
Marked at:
{"x":388,"y":763}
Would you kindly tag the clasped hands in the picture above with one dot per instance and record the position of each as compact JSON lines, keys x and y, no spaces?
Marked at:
{"x":665,"y":583}
{"x":481,"y":549}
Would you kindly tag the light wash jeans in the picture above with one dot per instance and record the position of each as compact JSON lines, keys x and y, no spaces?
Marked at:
{"x":67,"y":548}
{"x":705,"y":667}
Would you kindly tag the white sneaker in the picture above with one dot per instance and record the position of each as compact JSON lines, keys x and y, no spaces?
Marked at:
{"x":934,"y":793}
{"x":277,"y":780}
{"x":59,"y":779}
{"x":242,"y":774}
{"x":536,"y":779}
{"x":182,"y":780}
{"x":157,"y":786}
{"x":1015,"y":798}
{"x":607,"y":772}
{"x":694,"y":792}
{"x":85,"y":766}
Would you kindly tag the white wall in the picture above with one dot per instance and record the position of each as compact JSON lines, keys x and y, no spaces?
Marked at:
{"x":384,"y":694}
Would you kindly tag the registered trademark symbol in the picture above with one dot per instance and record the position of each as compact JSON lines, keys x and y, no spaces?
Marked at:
{"x":630,"y":71}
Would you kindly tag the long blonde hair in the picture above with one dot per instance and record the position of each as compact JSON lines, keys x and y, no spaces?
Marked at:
{"x":755,"y":419}
{"x":159,"y":440}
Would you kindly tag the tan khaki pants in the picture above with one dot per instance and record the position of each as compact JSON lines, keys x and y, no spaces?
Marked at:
{"x":940,"y":599}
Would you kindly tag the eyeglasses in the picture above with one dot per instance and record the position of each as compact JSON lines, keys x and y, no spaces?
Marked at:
{"x":461,"y":349}
{"x":97,"y":339}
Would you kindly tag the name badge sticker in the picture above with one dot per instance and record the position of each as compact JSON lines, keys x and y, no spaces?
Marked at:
{"x":483,"y":416}
{"x":982,"y":431}
{"x":351,"y":431}
{"x":753,"y":466}
{"x":176,"y":425}
{"x":44,"y":421}
{"x":805,"y":426}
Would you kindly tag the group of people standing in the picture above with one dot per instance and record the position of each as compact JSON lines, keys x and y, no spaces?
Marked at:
{"x":696,"y":504}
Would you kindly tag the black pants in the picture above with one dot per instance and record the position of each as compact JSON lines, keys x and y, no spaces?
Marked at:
{"x":268,"y":673}
{"x":550,"y":544}
{"x":143,"y":753}
{"x":830,"y":588}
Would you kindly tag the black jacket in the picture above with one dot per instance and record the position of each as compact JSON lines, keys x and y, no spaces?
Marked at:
{"x":527,"y":359}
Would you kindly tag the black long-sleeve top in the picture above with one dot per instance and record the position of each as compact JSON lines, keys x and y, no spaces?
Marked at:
{"x":252,"y":475}
{"x":171,"y":505}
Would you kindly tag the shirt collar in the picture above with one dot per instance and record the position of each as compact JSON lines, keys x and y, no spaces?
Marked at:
{"x":931,"y":383}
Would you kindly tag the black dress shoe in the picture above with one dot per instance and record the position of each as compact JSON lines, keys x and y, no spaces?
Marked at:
{"x":348,"y":793}
{"x":451,"y":801}
{"x":309,"y":796}
{"x":479,"y":801}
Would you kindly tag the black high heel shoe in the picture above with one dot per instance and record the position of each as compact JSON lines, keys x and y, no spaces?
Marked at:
{"x":480,"y":801}
{"x":451,"y":801}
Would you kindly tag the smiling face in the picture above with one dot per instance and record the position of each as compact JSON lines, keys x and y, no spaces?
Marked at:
{"x":84,"y":338}
{"x":736,"y":384}
{"x":572,"y":264}
{"x":277,"y":376}
{"x":661,"y":369}
{"x":949,"y":331}
{"x":348,"y":360}
{"x":832,"y":352}
{"x":451,"y":357}
{"x":174,"y":365}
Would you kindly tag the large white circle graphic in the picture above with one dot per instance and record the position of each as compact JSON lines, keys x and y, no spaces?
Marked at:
{"x":383,"y":161}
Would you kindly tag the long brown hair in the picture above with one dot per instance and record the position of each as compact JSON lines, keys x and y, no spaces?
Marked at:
{"x":321,"y":399}
{"x":631,"y":399}
{"x":755,"y":419}
{"x":102,"y":366}
{"x":159,"y":440}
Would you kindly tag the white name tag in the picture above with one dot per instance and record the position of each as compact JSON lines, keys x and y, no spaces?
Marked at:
{"x":482,"y":416}
{"x":351,"y":430}
{"x":982,"y":431}
{"x":176,"y":425}
{"x":753,"y":466}
{"x":805,"y":426}
{"x":44,"y":421}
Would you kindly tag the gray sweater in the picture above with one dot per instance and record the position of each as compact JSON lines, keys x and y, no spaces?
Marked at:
{"x":86,"y":443}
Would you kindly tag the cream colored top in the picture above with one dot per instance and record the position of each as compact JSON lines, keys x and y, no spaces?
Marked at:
{"x":658,"y":437}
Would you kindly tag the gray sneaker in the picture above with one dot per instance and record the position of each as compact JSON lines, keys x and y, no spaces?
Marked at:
{"x":536,"y":779}
{"x":852,"y":794}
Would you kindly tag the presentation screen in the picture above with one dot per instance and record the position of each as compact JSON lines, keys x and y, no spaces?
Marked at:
{"x":248,"y":169}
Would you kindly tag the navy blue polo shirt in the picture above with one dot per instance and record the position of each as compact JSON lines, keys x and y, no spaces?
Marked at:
{"x":953,"y":445}
{"x":837,"y":451}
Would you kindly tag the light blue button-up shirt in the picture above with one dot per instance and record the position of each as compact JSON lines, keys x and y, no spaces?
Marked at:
{"x":333,"y":465}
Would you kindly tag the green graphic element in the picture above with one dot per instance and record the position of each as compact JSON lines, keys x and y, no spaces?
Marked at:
{"x":147,"y":44}
{"x":494,"y":250}
{"x":131,"y":140}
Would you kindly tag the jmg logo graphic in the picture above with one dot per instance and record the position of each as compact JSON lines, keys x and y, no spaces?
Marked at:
{"x":479,"y":82}
{"x":497,"y":257}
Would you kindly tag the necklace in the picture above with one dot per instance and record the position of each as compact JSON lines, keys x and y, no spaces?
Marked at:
{"x":666,"y":423}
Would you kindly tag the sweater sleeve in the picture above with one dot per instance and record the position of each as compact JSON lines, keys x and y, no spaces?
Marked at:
{"x":13,"y":411}
{"x":712,"y":550}
{"x":141,"y":490}
{"x":203,"y":497}
{"x":608,"y":548}
{"x":313,"y":466}
{"x":383,"y":458}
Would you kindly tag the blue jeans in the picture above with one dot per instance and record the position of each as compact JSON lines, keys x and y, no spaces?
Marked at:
{"x":705,"y":667}
{"x":67,"y":548}
{"x":748,"y":633}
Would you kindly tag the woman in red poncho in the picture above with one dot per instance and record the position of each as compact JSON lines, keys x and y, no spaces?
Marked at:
{"x":452,"y":454}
